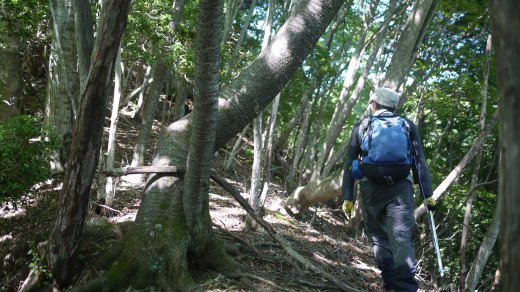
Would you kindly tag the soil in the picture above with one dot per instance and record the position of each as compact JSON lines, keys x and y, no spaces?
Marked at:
{"x":321,"y":235}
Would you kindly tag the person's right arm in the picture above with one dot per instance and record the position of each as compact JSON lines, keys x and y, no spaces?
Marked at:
{"x":353,"y":151}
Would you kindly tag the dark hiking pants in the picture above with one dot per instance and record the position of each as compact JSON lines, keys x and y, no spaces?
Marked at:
{"x":388,"y":212}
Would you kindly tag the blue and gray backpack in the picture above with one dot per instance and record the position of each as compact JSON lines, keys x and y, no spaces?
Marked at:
{"x":386,"y":149}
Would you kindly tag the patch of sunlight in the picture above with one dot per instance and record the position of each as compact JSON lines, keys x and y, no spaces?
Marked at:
{"x":125,"y":218}
{"x":6,"y":237}
{"x":358,"y":264}
{"x":9,"y":210}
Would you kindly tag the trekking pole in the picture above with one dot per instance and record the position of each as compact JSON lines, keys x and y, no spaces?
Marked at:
{"x":431,"y":221}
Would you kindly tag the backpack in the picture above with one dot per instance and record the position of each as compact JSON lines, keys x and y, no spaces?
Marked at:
{"x":386,"y":149}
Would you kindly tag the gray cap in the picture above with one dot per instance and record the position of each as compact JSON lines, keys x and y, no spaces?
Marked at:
{"x":385,"y":97}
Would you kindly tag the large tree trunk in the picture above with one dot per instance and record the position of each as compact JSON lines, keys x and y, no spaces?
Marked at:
{"x":86,"y":142}
{"x":202,"y":138}
{"x":62,"y":84}
{"x":506,"y":21}
{"x":161,"y":216}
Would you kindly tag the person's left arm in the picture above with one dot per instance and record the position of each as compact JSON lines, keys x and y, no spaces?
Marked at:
{"x":420,"y":170}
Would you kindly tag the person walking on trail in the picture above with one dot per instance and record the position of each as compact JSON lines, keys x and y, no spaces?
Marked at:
{"x":387,"y":196}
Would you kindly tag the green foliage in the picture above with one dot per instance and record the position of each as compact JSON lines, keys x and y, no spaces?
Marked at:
{"x":37,"y":264}
{"x":23,"y":156}
{"x":22,"y":18}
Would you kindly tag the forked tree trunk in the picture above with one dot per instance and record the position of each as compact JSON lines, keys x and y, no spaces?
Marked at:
{"x":506,"y":25}
{"x":86,"y":142}
{"x":337,"y":121}
{"x":160,"y":239}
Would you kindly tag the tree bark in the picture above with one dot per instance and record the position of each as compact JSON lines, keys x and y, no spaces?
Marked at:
{"x":256,"y":172}
{"x":202,"y":138}
{"x":84,"y":38}
{"x":274,"y":110}
{"x":506,"y":25}
{"x":144,"y":88}
{"x":63,"y":84}
{"x":66,"y":234}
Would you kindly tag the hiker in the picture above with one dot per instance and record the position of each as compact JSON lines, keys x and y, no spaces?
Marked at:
{"x":387,"y":201}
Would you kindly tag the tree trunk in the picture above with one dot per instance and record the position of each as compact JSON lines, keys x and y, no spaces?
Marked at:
{"x":150,"y":109}
{"x":62,"y":84}
{"x":177,"y":9}
{"x":84,"y":38}
{"x":256,"y":172}
{"x":232,"y":7}
{"x":161,"y":216}
{"x":234,"y":150}
{"x":484,"y":251}
{"x":202,"y":138}
{"x":107,"y":189}
{"x":144,"y":88}
{"x":506,"y":25}
{"x":180,"y":98}
{"x":66,"y":234}
{"x":274,"y":111}
{"x":476,"y":169}
{"x":235,"y":55}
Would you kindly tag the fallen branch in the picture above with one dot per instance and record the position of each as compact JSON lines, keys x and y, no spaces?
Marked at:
{"x":283,"y":243}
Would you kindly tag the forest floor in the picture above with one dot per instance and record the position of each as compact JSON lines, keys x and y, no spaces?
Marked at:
{"x":320,"y":235}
